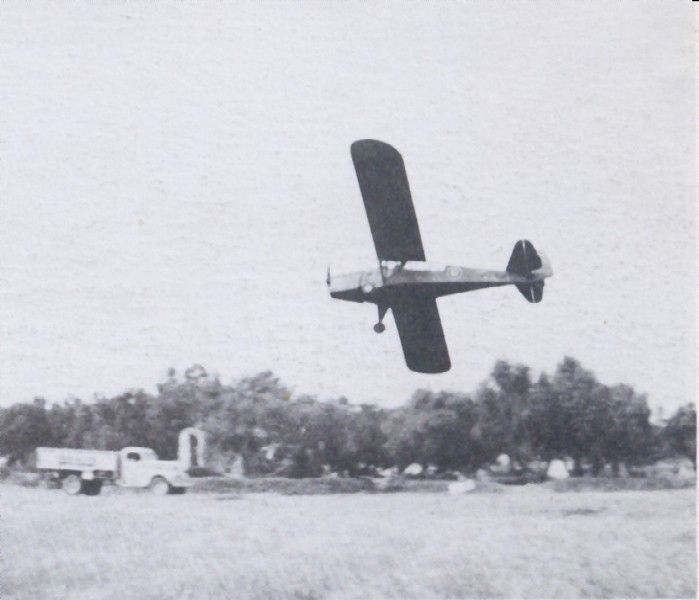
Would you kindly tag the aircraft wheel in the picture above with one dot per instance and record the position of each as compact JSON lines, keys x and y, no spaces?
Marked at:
{"x":379,"y":328}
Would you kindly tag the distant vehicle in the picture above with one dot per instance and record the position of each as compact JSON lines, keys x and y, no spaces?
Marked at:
{"x":85,"y":471}
{"x":404,"y":281}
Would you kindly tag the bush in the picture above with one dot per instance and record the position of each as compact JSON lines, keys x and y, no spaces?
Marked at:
{"x":280,"y":485}
{"x":615,"y":484}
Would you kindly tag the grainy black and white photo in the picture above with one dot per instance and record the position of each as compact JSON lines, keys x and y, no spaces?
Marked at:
{"x":344,"y":300}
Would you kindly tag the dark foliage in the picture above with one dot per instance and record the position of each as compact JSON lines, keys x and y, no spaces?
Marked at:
{"x":568,"y":414}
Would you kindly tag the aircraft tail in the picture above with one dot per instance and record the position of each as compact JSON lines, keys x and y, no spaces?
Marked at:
{"x":526,"y":262}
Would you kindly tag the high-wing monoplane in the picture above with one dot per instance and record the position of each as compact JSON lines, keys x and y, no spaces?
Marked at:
{"x":404,"y":281}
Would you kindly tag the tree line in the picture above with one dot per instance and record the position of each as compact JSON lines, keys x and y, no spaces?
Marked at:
{"x":568,"y":414}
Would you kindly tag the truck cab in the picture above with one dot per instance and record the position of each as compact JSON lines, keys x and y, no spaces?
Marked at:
{"x":140,"y":467}
{"x":135,"y":466}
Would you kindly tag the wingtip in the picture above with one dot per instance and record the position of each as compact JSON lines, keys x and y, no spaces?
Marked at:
{"x":370,"y":146}
{"x":431,"y":369}
{"x":368,"y":141}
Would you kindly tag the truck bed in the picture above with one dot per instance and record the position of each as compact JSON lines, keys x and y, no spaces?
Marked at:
{"x":70,"y":459}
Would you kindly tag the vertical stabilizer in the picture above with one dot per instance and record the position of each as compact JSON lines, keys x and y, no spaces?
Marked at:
{"x":524,"y":259}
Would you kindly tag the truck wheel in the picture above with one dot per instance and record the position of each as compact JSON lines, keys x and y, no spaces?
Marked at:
{"x":72,"y":485}
{"x":92,"y":488}
{"x":159,"y":486}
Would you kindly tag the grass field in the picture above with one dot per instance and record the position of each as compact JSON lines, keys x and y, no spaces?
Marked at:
{"x":524,"y":542}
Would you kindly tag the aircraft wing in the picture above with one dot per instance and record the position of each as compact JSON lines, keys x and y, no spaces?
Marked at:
{"x":389,"y":207}
{"x":421,"y":334}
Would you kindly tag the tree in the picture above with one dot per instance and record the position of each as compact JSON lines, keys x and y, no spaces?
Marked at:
{"x":546,"y":421}
{"x":585,"y":418}
{"x":568,"y":414}
{"x":403,"y":437}
{"x":244,"y":418}
{"x":513,"y":383}
{"x":680,"y":433}
{"x":629,"y":436}
{"x":366,"y":438}
{"x":23,"y":427}
{"x":433,"y":429}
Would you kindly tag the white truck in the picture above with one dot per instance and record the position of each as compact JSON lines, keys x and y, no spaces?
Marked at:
{"x":85,"y":471}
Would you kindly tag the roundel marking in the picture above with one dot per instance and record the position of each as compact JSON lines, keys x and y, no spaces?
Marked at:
{"x":453,"y":271}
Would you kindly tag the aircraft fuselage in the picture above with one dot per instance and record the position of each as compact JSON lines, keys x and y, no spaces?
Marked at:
{"x":379,"y":286}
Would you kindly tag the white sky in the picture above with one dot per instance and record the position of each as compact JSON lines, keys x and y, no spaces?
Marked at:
{"x":175,"y":178}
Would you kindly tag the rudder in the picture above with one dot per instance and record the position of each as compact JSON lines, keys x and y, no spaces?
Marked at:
{"x":533,"y":292}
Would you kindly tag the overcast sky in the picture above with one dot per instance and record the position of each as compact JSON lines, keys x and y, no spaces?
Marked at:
{"x":176,"y":177}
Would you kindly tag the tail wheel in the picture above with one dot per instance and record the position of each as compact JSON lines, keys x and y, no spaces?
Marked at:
{"x":159,"y":486}
{"x":72,"y":485}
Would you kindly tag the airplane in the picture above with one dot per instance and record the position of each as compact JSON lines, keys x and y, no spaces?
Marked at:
{"x":404,"y":282}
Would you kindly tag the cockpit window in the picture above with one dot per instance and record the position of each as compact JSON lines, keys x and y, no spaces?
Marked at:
{"x":133,"y":456}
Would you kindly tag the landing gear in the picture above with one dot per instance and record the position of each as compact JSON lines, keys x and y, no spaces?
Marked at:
{"x":380,"y":327}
